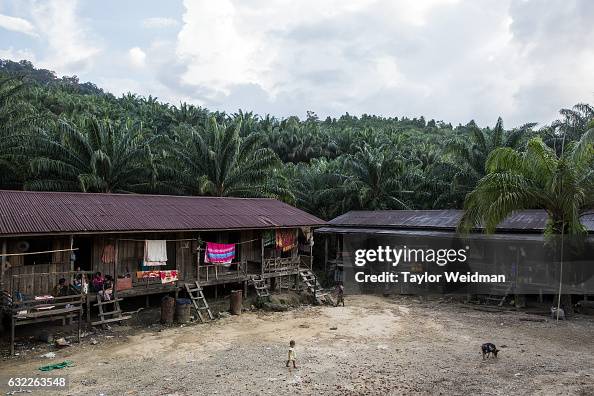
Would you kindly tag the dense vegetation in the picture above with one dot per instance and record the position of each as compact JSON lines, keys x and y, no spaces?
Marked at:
{"x":60,"y":134}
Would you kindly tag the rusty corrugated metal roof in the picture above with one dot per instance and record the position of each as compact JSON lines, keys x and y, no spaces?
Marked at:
{"x":447,"y":220}
{"x":27,"y":212}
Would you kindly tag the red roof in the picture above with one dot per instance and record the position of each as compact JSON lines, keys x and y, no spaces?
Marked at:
{"x":29,"y":212}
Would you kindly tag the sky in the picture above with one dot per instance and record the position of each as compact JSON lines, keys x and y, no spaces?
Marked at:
{"x":451,"y":60}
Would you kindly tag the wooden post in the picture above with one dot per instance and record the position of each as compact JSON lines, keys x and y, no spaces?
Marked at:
{"x":311,"y":253}
{"x":115,"y":265}
{"x":79,"y":320}
{"x":88,"y":300}
{"x":3,"y":263}
{"x":325,"y":254}
{"x":71,"y":253}
{"x":262,"y":247}
{"x":12,"y":325}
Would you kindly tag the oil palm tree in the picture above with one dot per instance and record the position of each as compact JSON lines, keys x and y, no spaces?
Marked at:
{"x":217,"y":161}
{"x":318,"y":186}
{"x":471,"y":150}
{"x":91,"y":156}
{"x":537,"y":178}
{"x":377,"y":179}
{"x":16,"y":117}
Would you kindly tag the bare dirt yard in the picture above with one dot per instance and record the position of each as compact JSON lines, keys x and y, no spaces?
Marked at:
{"x":373,"y":346}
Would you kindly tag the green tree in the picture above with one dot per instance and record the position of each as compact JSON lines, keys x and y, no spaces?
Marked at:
{"x":217,"y":161}
{"x":376,"y":179}
{"x":471,"y":150}
{"x":16,"y":117}
{"x":91,"y":156}
{"x":537,"y":178}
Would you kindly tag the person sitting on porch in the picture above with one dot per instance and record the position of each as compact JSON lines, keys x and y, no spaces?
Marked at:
{"x":107,"y":291}
{"x":98,"y":281}
{"x":80,"y":283}
{"x":61,"y":289}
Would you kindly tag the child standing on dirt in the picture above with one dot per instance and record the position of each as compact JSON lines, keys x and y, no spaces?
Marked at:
{"x":291,"y":357}
{"x":339,"y":294}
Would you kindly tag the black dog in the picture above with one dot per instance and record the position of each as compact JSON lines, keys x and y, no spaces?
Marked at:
{"x":489,"y":349}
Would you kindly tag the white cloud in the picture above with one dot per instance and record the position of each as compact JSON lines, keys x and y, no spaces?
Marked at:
{"x":16,"y":24}
{"x":137,"y":57}
{"x":159,"y":22}
{"x":454,"y":60}
{"x":69,"y":47}
{"x":18,"y":54}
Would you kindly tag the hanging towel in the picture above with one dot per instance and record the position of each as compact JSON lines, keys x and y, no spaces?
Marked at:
{"x":219,"y":253}
{"x":168,"y":276}
{"x":108,"y":255}
{"x":155,"y":253}
{"x":285,"y":239}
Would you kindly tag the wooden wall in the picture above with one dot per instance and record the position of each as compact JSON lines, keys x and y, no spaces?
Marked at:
{"x":41,"y":278}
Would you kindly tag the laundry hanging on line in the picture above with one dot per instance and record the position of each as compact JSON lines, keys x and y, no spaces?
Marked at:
{"x":155,"y":253}
{"x":219,"y":253}
{"x":285,"y":239}
{"x":168,"y":276}
{"x":108,"y":255}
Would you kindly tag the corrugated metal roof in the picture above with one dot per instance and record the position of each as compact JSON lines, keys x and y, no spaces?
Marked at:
{"x":447,"y":220}
{"x":27,"y":212}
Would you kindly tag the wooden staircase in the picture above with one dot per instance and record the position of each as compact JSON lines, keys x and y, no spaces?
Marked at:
{"x":105,"y":317}
{"x":313,"y":286}
{"x":261,"y":287}
{"x":196,"y":294}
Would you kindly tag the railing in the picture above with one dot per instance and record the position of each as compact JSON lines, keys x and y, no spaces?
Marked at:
{"x":306,"y":261}
{"x":39,"y":279}
{"x":214,"y":272}
{"x":282,"y":264}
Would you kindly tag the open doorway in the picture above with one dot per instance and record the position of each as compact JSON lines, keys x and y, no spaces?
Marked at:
{"x":84,"y":254}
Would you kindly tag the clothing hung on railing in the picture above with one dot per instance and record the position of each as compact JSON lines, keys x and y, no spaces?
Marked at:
{"x":285,"y":239}
{"x":219,"y":253}
{"x":155,"y":253}
{"x":168,"y":276}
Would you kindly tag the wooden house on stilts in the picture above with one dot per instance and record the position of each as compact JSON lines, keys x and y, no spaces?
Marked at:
{"x":46,"y":236}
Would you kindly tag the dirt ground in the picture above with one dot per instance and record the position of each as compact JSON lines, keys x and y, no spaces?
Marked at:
{"x":373,"y":346}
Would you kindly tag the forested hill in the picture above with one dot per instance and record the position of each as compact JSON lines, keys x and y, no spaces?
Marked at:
{"x":60,"y":134}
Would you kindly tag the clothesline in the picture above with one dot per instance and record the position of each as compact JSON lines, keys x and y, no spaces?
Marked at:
{"x":236,"y":243}
{"x":143,"y":240}
{"x":43,"y":252}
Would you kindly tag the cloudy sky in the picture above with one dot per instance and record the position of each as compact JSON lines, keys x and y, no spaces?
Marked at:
{"x":451,"y":60}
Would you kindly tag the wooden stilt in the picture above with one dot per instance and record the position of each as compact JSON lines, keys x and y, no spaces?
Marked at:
{"x":12,"y":326}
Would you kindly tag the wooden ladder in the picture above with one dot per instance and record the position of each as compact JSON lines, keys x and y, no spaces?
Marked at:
{"x":313,"y":286}
{"x":261,"y":287}
{"x":105,"y":317}
{"x":198,"y":300}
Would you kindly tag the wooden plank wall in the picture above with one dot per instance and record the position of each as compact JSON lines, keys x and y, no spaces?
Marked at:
{"x":251,"y":251}
{"x":39,"y":278}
